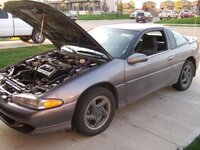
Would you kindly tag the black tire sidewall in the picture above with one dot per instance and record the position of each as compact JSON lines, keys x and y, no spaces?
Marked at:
{"x":25,"y":38}
{"x":78,"y":118}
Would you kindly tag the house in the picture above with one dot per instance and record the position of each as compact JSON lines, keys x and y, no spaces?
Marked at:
{"x":82,"y":6}
{"x":149,"y":5}
{"x":167,"y":5}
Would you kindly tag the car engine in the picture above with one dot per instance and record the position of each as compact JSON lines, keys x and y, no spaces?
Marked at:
{"x":38,"y":74}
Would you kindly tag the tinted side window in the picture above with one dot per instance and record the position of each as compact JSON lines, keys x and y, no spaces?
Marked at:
{"x":3,"y":14}
{"x":180,"y":40}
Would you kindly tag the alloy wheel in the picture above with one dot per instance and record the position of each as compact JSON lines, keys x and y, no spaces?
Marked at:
{"x":97,"y":112}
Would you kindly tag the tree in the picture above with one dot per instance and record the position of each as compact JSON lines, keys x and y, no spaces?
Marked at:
{"x":144,"y":7}
{"x":131,"y":5}
{"x":178,"y":5}
{"x":120,"y":8}
{"x":105,"y":7}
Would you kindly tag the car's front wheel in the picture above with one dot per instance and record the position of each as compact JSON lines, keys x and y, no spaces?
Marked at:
{"x":94,"y":111}
{"x":186,"y":76}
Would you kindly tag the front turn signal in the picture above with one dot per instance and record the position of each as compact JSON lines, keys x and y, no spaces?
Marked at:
{"x":51,"y":103}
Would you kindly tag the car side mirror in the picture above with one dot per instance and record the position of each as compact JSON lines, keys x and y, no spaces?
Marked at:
{"x":136,"y":58}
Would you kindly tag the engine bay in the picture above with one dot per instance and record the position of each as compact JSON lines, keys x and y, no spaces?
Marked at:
{"x":38,"y":74}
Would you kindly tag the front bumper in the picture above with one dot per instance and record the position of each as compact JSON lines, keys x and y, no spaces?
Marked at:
{"x":36,"y":121}
{"x":140,"y":19}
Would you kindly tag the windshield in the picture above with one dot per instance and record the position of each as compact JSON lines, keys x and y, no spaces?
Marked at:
{"x":114,"y":41}
{"x":140,"y":14}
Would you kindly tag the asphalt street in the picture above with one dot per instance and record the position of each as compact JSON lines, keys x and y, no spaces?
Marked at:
{"x":163,"y":120}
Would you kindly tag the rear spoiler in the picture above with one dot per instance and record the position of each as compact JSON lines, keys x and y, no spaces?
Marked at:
{"x":191,"y":39}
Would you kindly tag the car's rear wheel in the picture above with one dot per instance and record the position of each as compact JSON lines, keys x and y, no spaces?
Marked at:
{"x":186,"y":76}
{"x":37,"y":37}
{"x":25,"y":38}
{"x":94,"y":111}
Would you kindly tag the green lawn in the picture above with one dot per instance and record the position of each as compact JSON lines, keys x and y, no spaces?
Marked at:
{"x":103,"y":17}
{"x":181,"y":21}
{"x":10,"y":56}
{"x":195,"y":145}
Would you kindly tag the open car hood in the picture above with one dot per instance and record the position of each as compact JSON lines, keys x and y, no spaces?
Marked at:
{"x":57,"y":27}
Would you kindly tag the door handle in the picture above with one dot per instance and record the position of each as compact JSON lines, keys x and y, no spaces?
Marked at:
{"x":170,"y":58}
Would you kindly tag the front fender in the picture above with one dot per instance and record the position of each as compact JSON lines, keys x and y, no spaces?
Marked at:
{"x":70,"y":90}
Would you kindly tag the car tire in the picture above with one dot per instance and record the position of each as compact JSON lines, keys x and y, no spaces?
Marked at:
{"x":185,"y":77}
{"x":25,"y":38}
{"x":37,"y":38}
{"x":94,"y":111}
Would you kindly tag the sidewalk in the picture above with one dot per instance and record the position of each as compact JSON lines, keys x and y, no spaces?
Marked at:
{"x":18,"y":43}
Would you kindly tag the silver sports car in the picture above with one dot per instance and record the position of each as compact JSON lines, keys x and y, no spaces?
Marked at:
{"x":89,"y":75}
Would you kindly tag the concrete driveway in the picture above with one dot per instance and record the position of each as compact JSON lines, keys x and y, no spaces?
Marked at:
{"x":163,"y":120}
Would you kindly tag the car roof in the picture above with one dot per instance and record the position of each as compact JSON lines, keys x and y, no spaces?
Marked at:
{"x":132,"y":26}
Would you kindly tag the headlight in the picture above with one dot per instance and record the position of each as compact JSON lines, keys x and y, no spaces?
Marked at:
{"x":31,"y":101}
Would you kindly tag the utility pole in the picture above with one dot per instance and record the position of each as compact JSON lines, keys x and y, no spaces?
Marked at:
{"x":117,"y":9}
{"x":198,"y":8}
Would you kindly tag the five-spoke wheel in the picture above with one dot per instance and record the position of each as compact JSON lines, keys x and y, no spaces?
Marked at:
{"x":97,"y":112}
{"x":186,"y":76}
{"x":94,"y":111}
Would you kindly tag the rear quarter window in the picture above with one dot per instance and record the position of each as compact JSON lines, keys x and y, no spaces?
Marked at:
{"x":3,"y":14}
{"x":180,"y":40}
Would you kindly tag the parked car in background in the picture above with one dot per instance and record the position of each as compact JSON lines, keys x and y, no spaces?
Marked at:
{"x":133,"y":14}
{"x":68,"y":14}
{"x":10,"y":26}
{"x":168,"y":14}
{"x":186,"y":14}
{"x":144,"y":17}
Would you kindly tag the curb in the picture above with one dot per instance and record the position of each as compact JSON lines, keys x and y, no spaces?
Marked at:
{"x":181,"y":25}
{"x":189,"y":139}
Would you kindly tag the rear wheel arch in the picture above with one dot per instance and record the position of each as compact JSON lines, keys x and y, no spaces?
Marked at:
{"x":186,"y":75}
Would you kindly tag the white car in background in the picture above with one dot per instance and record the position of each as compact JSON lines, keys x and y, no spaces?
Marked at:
{"x":168,"y":14}
{"x":133,"y":14}
{"x":10,"y":26}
